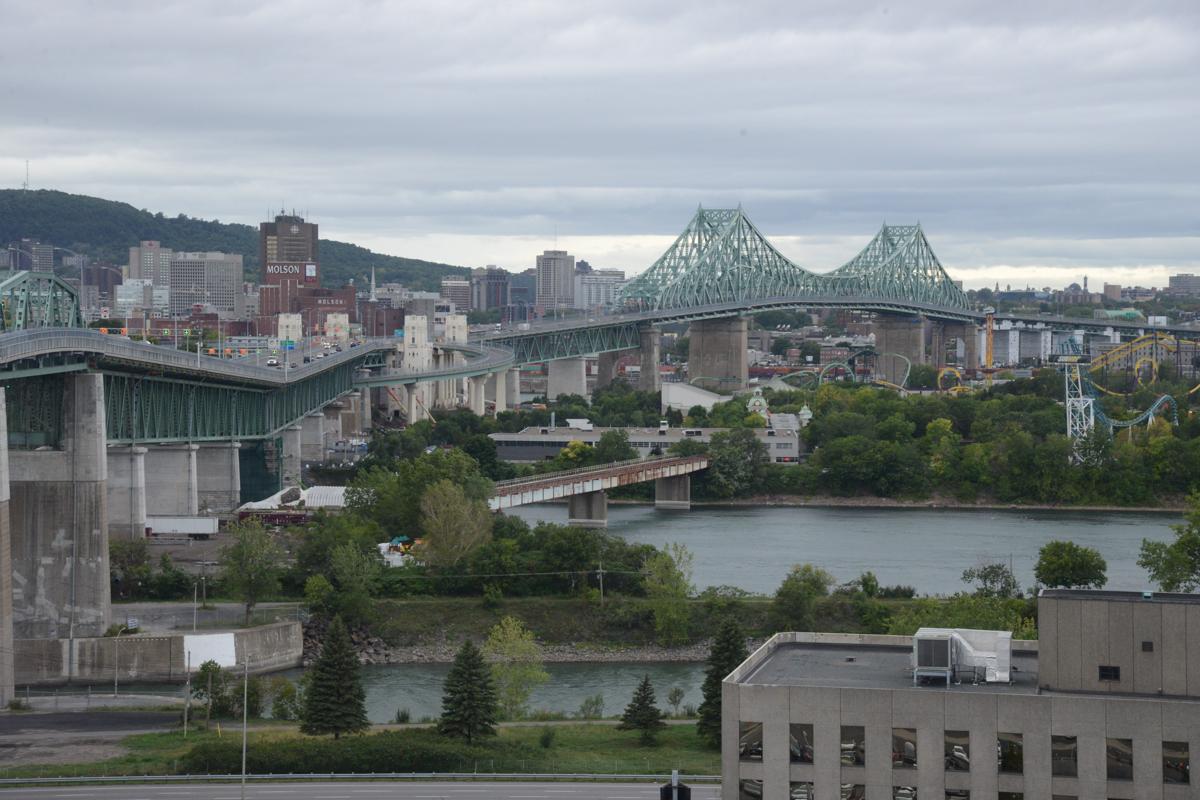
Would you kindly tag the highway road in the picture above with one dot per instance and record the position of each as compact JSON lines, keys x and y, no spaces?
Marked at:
{"x":376,"y":790}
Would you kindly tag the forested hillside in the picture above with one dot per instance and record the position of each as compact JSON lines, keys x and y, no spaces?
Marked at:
{"x":106,"y":229}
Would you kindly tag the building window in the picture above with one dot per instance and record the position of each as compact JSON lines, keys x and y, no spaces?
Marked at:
{"x":800,"y":790}
{"x":904,"y":747}
{"x":904,"y":793}
{"x":1147,"y":647}
{"x":750,"y":789}
{"x":958,"y":794}
{"x":801,"y":743}
{"x":1110,"y":673}
{"x":854,"y":746}
{"x":1011,"y":796}
{"x":958,"y":751}
{"x":1176,"y":764}
{"x":1120,"y":759}
{"x":750,"y":741}
{"x":854,"y":791}
{"x":1010,"y":752}
{"x":1064,"y":756}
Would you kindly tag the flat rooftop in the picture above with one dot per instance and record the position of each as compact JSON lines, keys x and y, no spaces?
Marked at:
{"x":1128,"y":597}
{"x":866,"y":667}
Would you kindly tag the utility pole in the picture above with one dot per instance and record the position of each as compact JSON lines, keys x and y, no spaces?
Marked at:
{"x":601,"y":574}
{"x":245,"y":719}
{"x":187,"y":700}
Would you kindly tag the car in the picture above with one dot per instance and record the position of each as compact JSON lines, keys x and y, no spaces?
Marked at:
{"x":307,"y":359}
{"x":272,"y":362}
{"x":320,"y":355}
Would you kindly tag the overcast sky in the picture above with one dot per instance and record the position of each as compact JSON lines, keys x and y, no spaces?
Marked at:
{"x":1034,"y":145}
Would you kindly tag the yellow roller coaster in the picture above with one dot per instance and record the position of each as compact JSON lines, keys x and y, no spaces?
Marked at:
{"x":1145,"y":353}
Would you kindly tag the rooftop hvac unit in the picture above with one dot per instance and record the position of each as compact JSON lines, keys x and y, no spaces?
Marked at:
{"x":956,"y":653}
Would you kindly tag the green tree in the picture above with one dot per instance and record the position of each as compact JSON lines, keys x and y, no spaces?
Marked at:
{"x":796,"y":597}
{"x":455,"y":524}
{"x":468,"y":697}
{"x":612,"y":446}
{"x":727,"y":651}
{"x":1175,"y":566}
{"x":392,"y":498}
{"x":250,"y":563}
{"x":738,"y":458}
{"x":356,"y":574}
{"x":334,"y":701}
{"x":668,"y":584}
{"x":642,"y":714}
{"x":992,"y":580}
{"x":516,"y":665}
{"x":1070,"y":565}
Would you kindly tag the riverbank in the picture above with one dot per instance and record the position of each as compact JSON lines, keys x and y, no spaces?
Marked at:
{"x":932,"y":503}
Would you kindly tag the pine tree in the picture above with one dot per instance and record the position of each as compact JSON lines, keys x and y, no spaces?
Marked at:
{"x":728,"y":650}
{"x":334,"y":701}
{"x":469,"y":697}
{"x":642,"y":714}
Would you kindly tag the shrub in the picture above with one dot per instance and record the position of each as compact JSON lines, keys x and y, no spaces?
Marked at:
{"x":546,"y":739}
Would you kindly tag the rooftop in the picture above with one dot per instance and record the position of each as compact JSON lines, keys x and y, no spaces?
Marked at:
{"x":869,"y":667}
{"x":1128,"y":597}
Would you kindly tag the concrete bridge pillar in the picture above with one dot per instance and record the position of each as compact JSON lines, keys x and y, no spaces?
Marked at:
{"x":566,"y":376}
{"x":312,"y":437}
{"x":126,"y":492}
{"x":475,"y":394}
{"x":172,"y":480}
{"x":497,"y":390}
{"x":415,"y":402}
{"x":717,"y":358}
{"x":895,"y":336}
{"x":589,"y":510}
{"x":6,"y":567}
{"x":512,"y":388}
{"x":59,"y":518}
{"x":219,"y":477}
{"x":673,"y":493}
{"x":606,"y":368}
{"x":649,"y":379}
{"x":937,"y":343}
{"x":291,"y":464}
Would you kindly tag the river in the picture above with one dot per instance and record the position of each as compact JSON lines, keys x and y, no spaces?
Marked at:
{"x":752,"y":547}
{"x":418,"y":687}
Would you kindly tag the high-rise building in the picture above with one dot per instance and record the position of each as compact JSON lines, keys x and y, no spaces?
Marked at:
{"x":150,"y":261}
{"x":1184,"y":284}
{"x":457,"y":291}
{"x":597,"y":287}
{"x":489,"y":288}
{"x":556,"y":279}
{"x":213,"y":280}
{"x":1112,"y":292}
{"x":287,"y":253}
{"x":32,"y":255}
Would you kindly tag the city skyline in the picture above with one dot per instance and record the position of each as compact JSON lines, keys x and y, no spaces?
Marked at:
{"x":1034,"y":149}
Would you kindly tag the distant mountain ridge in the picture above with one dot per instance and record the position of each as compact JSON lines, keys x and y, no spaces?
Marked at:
{"x":106,"y":229}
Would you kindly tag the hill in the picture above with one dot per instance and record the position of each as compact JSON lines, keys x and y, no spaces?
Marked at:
{"x":106,"y":229}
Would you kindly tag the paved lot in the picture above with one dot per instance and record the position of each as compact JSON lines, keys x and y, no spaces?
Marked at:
{"x":68,"y":738}
{"x":400,"y":790}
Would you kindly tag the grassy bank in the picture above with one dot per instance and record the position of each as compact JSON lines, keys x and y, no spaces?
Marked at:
{"x":599,"y":748}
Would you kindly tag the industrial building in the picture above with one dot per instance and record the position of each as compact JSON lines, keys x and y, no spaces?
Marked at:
{"x":545,"y":442}
{"x":1106,"y":704}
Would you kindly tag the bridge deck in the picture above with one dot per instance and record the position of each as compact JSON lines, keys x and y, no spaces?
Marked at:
{"x":556,"y":485}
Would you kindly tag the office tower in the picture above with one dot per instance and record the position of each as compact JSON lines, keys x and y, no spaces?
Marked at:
{"x":555,"y":279}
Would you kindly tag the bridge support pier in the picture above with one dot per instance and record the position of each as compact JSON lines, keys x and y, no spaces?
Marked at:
{"x":219,"y":477}
{"x":6,"y":567}
{"x":606,"y":368}
{"x":937,"y":343}
{"x":291,"y":463}
{"x":312,"y":437}
{"x":59,"y":517}
{"x":126,"y":492}
{"x":589,"y":510}
{"x":897,"y":335}
{"x":512,"y":388}
{"x":475,"y":394}
{"x":717,"y":358}
{"x":566,"y":376}
{"x":649,"y":379}
{"x":969,"y":336}
{"x":497,"y":390}
{"x":673,"y":493}
{"x":172,"y":481}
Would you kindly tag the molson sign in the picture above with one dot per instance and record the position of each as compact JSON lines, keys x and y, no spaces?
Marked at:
{"x":280,"y":271}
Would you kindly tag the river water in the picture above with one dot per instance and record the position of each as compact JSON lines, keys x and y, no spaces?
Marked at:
{"x":753,"y":547}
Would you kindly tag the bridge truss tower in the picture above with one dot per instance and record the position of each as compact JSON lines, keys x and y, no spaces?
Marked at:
{"x":1081,"y":409}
